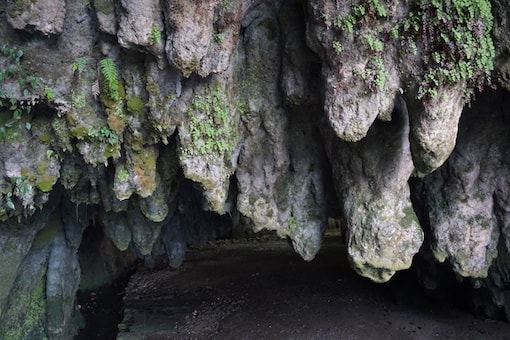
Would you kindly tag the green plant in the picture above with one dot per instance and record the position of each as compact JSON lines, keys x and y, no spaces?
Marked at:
{"x":48,"y":93}
{"x":211,"y":129}
{"x":110,"y":76}
{"x":103,"y":134}
{"x":456,"y":42}
{"x":155,"y":35}
{"x":122,"y":174}
{"x":19,"y":187}
{"x":374,"y":43}
{"x":374,"y":73}
{"x":337,"y":46}
{"x":13,"y":112}
{"x":360,"y":12}
{"x":219,"y":37}
{"x":364,"y":14}
{"x":80,"y":64}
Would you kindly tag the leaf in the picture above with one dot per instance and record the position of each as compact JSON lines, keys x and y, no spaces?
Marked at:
{"x":109,"y":71}
{"x":10,"y":205}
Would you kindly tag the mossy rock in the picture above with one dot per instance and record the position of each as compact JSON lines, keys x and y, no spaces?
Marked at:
{"x":135,"y":105}
{"x":45,"y":182}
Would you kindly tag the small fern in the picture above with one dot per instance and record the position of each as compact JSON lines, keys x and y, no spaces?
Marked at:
{"x":80,"y":64}
{"x":109,"y":72}
{"x":155,"y":35}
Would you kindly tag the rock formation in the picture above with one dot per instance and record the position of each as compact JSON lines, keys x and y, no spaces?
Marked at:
{"x":156,"y":125}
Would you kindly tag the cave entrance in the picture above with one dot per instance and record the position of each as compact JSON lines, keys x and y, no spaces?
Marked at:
{"x":260,"y":288}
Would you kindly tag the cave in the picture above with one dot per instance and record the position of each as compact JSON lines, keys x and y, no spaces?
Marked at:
{"x":249,"y":169}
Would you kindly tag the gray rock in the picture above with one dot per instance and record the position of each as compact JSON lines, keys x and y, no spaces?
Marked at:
{"x":116,"y":227}
{"x":190,"y":32}
{"x":359,"y":84}
{"x":62,"y":281}
{"x":106,"y":17}
{"x":296,"y":57}
{"x":465,"y":196}
{"x":383,"y":232}
{"x":434,"y":127}
{"x":173,"y":240}
{"x":144,"y":232}
{"x":141,"y":26}
{"x":44,"y":16}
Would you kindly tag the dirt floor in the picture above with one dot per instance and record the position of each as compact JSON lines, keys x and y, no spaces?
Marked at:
{"x":263,"y":290}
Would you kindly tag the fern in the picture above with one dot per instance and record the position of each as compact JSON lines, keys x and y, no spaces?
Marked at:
{"x":109,"y":72}
{"x":155,"y":35}
{"x":80,"y":64}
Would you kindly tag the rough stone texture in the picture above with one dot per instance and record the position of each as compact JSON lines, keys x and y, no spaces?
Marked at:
{"x":212,"y":168}
{"x":60,"y":292}
{"x":434,"y":127}
{"x":383,"y":233}
{"x":44,"y":16}
{"x":465,"y":198}
{"x":105,"y":12}
{"x":190,"y":27}
{"x":351,"y":101}
{"x":141,"y":26}
{"x":145,"y":171}
{"x":15,"y":243}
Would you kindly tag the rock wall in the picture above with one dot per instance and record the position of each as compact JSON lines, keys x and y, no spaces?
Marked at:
{"x":163,"y":124}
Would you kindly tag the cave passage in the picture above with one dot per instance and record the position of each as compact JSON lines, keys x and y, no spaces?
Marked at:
{"x":260,"y":288}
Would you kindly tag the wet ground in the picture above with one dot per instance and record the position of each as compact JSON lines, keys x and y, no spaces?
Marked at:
{"x":263,"y":290}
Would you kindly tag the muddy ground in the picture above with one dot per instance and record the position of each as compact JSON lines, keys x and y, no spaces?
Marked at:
{"x":263,"y":290}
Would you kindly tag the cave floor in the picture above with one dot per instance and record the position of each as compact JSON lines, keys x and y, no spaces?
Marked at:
{"x":257,"y":290}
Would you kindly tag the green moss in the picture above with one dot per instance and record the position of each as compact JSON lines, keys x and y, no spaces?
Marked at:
{"x":80,"y":132}
{"x":45,"y":138}
{"x":152,"y":87}
{"x":135,"y":105}
{"x":28,"y":173}
{"x":111,"y":150}
{"x":121,"y":174}
{"x":79,"y":101}
{"x":45,"y":182}
{"x":144,"y":168}
{"x":105,"y":6}
{"x":456,"y":39}
{"x":17,"y":7}
{"x":409,"y":218}
{"x":26,"y":317}
{"x":212,"y":129}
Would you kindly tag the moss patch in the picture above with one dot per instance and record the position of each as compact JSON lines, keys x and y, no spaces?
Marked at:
{"x":26,"y":317}
{"x":46,"y":182}
{"x":135,"y":105}
{"x":212,"y":128}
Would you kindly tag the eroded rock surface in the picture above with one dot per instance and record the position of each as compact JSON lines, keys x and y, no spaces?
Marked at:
{"x":383,"y":232}
{"x":150,"y":126}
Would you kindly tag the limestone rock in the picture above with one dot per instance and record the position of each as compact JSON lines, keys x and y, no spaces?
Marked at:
{"x":464,"y":197}
{"x":144,"y":232}
{"x":106,"y":17}
{"x":141,"y":26}
{"x":117,"y":229}
{"x":434,"y":127}
{"x":190,"y":32}
{"x":383,"y":232}
{"x":361,"y":83}
{"x":44,"y":16}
